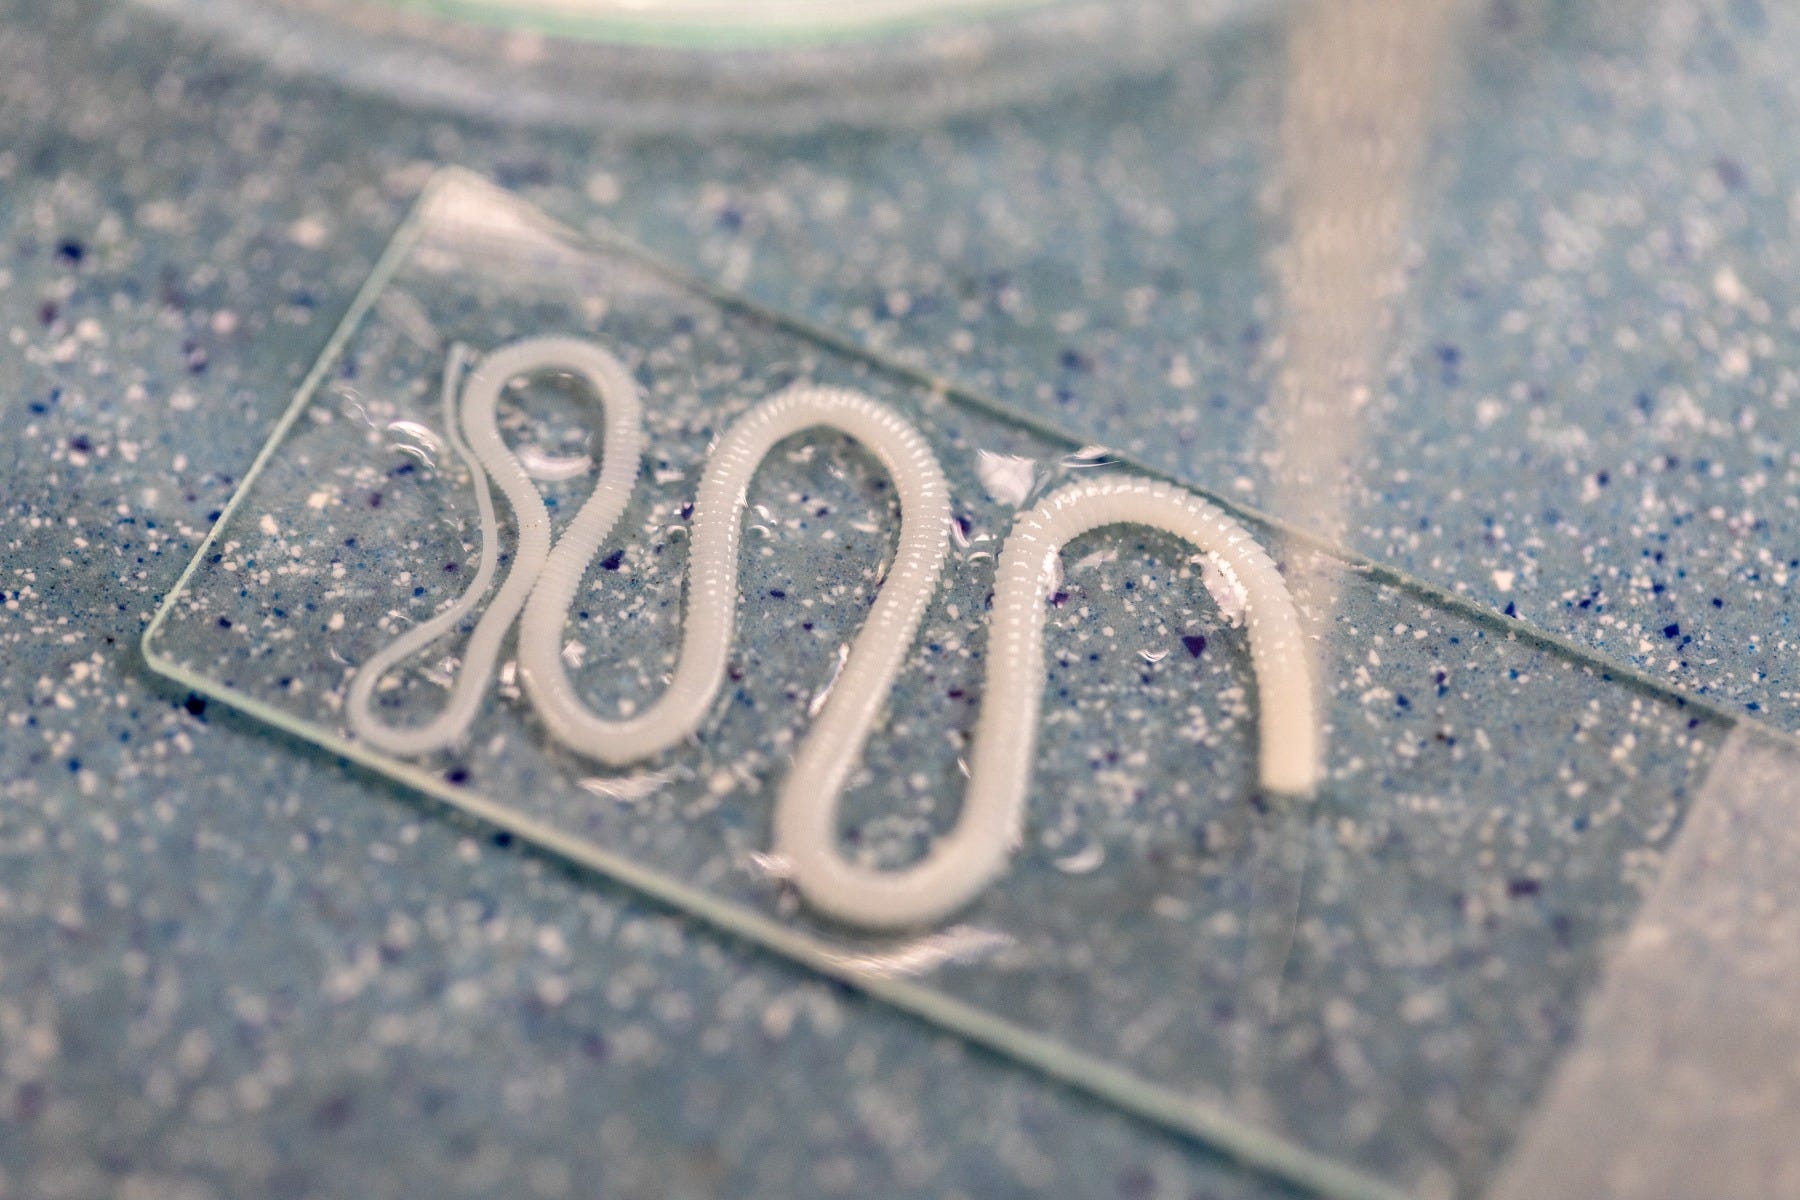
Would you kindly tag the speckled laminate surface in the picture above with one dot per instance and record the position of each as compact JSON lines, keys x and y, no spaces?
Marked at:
{"x":230,"y":967}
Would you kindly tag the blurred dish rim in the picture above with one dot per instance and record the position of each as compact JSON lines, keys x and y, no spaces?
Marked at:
{"x":718,"y":24}
{"x":562,"y":62}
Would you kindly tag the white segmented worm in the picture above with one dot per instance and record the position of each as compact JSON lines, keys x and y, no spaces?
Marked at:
{"x":975,"y":851}
{"x":623,"y":412}
{"x":887,"y":633}
{"x":543,"y":580}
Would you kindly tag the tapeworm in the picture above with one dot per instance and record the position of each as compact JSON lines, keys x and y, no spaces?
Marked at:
{"x":543,"y":581}
{"x":875,"y":657}
{"x":623,"y":415}
{"x":975,"y":851}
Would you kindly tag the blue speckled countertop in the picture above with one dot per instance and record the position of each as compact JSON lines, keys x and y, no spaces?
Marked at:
{"x":230,"y":967}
